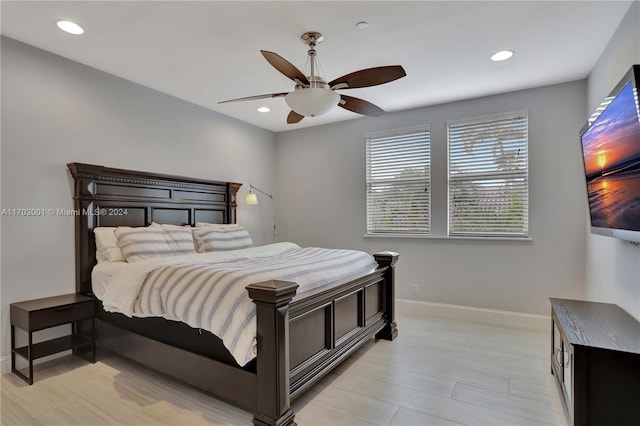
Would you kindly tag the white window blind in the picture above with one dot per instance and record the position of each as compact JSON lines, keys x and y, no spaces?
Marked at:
{"x":488,"y":176}
{"x":398,"y":182}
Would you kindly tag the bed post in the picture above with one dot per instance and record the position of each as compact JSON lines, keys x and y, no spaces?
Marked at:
{"x":273,"y":405}
{"x":388,"y":259}
{"x":232,"y":192}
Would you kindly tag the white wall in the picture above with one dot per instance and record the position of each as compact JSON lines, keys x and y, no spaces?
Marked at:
{"x":321,"y":181}
{"x":613,"y":266}
{"x":55,"y":111}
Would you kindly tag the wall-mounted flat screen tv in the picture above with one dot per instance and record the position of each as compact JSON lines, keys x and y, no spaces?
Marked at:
{"x":611,"y":152}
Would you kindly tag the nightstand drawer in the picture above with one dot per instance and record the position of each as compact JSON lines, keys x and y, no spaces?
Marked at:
{"x":45,"y":318}
{"x":32,"y":315}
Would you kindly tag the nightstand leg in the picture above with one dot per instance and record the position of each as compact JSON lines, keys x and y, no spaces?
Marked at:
{"x":30,"y":355}
{"x":13,"y":348}
{"x":85,"y":331}
{"x":14,"y":370}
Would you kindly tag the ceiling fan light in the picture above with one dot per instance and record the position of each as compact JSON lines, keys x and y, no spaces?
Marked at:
{"x":312,"y":102}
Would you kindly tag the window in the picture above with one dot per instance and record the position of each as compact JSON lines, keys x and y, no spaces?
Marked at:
{"x":488,"y":176}
{"x":398,"y":182}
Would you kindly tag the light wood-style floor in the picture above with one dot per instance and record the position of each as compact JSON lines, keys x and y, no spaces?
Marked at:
{"x":438,"y":371}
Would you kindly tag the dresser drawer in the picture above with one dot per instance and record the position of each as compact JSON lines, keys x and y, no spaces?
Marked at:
{"x":57,"y":315}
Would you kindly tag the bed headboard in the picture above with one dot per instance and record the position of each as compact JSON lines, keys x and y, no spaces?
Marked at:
{"x":105,"y":196}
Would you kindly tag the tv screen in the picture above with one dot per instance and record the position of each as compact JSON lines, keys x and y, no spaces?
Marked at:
{"x":611,"y":152}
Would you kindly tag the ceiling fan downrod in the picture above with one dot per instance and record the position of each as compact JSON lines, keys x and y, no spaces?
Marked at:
{"x":311,"y":39}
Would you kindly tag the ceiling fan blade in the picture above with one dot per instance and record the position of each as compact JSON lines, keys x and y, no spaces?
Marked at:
{"x":368,"y":77}
{"x":284,"y":66}
{"x":360,"y":106}
{"x":294,"y":117}
{"x":250,"y":98}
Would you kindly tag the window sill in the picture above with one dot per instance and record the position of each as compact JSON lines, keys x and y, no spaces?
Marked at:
{"x":446,"y":237}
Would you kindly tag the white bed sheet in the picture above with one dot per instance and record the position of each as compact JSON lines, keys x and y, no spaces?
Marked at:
{"x":101,"y":275}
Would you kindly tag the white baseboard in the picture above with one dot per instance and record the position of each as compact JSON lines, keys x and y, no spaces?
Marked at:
{"x":530,"y":322}
{"x":5,"y":364}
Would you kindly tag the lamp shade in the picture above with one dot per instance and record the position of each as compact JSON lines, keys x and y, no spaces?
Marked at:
{"x":312,"y":101}
{"x":251,"y":198}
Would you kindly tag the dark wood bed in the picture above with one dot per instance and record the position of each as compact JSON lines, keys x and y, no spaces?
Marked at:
{"x":300,"y":337}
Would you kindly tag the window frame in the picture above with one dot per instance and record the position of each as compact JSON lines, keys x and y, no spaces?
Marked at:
{"x":525,"y":235}
{"x":400,"y":132}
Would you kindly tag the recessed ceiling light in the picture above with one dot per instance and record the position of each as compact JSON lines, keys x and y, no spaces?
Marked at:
{"x":502,"y":55}
{"x":362,"y":25}
{"x":264,"y":109}
{"x":70,"y":27}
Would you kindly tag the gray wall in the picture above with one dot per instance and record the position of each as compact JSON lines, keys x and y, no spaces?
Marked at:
{"x":321,"y":177}
{"x":613,"y":266}
{"x":56,"y":111}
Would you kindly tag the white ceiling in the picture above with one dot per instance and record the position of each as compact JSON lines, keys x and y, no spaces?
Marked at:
{"x":208,"y":51}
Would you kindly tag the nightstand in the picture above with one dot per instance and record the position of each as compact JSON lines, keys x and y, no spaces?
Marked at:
{"x":39,"y":314}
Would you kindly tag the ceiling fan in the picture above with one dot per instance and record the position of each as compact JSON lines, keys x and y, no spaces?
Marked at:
{"x":313,"y":96}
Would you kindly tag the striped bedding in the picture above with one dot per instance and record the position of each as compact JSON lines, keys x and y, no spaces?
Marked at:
{"x":207,"y":291}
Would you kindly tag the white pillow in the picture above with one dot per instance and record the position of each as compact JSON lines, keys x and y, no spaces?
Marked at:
{"x":211,"y":238}
{"x":153,"y":242}
{"x":107,"y":249}
{"x":217,"y":225}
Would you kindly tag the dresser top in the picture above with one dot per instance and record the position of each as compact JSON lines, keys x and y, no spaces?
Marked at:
{"x":599,"y":325}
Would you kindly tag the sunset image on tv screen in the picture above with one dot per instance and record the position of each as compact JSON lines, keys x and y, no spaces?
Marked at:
{"x":611,"y":148}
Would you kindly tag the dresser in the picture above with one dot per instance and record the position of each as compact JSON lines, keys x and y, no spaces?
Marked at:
{"x":595,"y":358}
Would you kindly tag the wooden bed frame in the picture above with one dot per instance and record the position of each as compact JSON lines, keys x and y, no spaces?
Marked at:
{"x":300,"y":337}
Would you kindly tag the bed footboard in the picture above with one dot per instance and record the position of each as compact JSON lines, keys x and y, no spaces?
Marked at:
{"x":302,"y":338}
